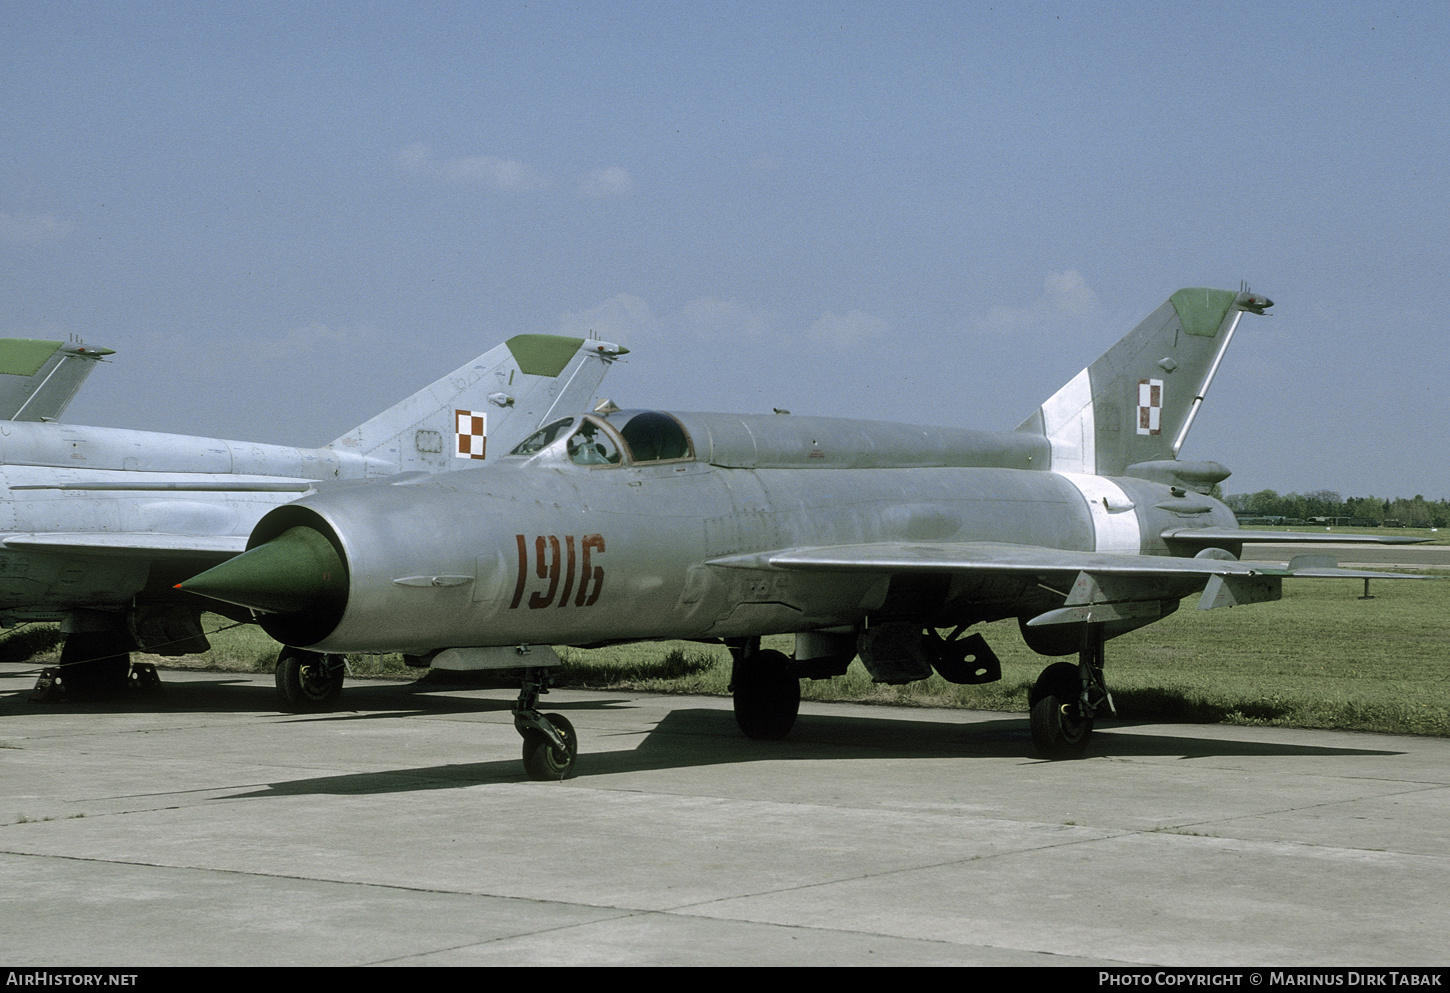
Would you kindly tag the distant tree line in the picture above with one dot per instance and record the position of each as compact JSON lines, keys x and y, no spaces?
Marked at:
{"x":1369,"y":511}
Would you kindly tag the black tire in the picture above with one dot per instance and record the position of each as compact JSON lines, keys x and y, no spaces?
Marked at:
{"x":1060,"y":729}
{"x":95,"y":665}
{"x":542,"y":759}
{"x":767,"y":696}
{"x":102,"y":679}
{"x":308,"y":682}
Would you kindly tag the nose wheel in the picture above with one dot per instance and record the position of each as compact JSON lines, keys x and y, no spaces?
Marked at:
{"x":550,"y":745}
{"x":550,"y":757}
{"x":309,"y":682}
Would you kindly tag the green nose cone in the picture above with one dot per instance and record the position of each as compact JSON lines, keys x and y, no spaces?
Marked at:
{"x":297,"y":572}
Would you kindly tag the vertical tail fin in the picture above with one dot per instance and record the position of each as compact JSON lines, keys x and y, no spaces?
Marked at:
{"x":485,"y":407}
{"x":1137,"y":402}
{"x":38,"y":379}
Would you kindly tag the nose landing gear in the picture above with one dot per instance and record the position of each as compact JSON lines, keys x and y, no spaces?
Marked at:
{"x":550,"y":745}
{"x":309,"y":682}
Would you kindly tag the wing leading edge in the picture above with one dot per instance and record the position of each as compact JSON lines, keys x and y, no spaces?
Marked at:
{"x":130,"y":544}
{"x":1001,"y":557}
{"x":1100,"y":586}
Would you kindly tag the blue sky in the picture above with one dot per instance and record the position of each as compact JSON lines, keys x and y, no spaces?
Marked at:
{"x":285,"y":217}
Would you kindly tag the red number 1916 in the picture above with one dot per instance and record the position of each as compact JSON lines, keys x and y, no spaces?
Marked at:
{"x":555,"y":560}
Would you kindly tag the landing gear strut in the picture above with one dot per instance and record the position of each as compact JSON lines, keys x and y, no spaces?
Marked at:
{"x":1066,"y":699}
{"x":767,"y":693}
{"x":309,"y":682}
{"x":550,"y":745}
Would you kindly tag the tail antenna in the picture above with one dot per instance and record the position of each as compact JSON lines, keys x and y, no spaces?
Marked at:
{"x":1251,"y":301}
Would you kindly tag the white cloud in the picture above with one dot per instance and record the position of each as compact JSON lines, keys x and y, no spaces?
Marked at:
{"x":415,"y":158}
{"x":33,"y":229}
{"x":619,"y":319}
{"x":312,"y":338}
{"x":625,"y":319}
{"x":609,"y":182}
{"x":849,"y":330}
{"x":711,"y":317}
{"x":1068,"y":293}
{"x":1066,"y":299}
{"x":482,"y":170}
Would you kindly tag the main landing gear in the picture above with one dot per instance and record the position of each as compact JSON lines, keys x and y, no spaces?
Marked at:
{"x":550,"y":745}
{"x":95,"y":665}
{"x":1066,"y":699}
{"x":767,"y":693}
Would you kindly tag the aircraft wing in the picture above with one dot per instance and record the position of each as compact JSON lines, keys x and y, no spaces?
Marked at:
{"x":179,"y":532}
{"x":1001,"y":557}
{"x":1212,"y":536}
{"x":137,"y":543}
{"x":1108,"y":585}
{"x":131,"y":481}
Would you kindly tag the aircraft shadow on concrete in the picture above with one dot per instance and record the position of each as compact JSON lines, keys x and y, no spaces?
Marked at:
{"x":240,"y":693}
{"x":705,"y":737}
{"x":687,"y":737}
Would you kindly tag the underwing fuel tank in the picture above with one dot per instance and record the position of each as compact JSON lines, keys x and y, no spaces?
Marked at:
{"x":521,"y":554}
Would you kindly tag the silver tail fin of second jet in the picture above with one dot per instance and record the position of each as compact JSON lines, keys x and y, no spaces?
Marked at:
{"x":1136,"y":403}
{"x":38,"y":379}
{"x":485,"y":407}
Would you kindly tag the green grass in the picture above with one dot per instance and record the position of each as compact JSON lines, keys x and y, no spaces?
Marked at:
{"x":1320,"y":658}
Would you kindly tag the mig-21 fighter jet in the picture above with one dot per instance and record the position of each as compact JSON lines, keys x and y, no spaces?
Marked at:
{"x":883,"y":541}
{"x":97,"y":525}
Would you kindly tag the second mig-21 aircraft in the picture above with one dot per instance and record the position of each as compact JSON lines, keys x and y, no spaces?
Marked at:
{"x":97,"y":525}
{"x":860,"y":538}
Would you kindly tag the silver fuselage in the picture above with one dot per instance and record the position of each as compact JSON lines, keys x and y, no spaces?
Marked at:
{"x":540,"y":550}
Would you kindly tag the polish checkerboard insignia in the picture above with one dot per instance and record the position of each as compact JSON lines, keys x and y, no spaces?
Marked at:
{"x":1150,"y":406}
{"x":472,"y":433}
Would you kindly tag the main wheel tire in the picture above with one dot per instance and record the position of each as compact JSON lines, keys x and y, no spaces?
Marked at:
{"x":308,"y":682}
{"x":542,"y":759}
{"x":1060,"y":729}
{"x":95,"y":665}
{"x":100,"y":679}
{"x":767,"y":696}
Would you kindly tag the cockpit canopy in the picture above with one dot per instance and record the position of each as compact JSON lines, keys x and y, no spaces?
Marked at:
{"x":652,"y":436}
{"x":634,"y":436}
